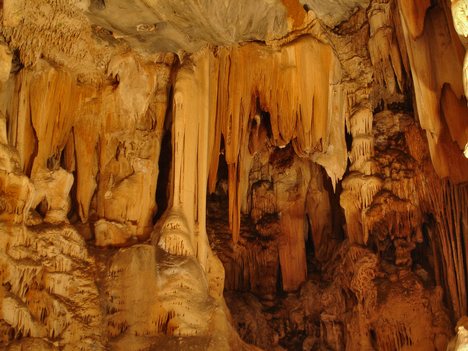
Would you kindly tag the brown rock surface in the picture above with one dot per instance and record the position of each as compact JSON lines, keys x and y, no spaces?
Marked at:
{"x":233,"y":175}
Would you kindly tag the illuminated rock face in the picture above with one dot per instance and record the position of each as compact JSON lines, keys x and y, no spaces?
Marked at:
{"x":205,"y":175}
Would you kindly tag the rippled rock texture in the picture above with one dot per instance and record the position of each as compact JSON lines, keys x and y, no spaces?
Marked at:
{"x":233,"y":175}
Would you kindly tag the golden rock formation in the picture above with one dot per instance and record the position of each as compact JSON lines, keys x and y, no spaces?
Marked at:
{"x":233,"y":175}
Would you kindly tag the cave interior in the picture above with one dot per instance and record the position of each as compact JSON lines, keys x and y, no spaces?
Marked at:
{"x":234,"y":175}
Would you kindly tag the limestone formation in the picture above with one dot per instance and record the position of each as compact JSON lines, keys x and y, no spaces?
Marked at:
{"x":233,"y":175}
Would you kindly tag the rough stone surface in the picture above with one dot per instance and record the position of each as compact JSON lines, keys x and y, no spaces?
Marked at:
{"x":233,"y":175}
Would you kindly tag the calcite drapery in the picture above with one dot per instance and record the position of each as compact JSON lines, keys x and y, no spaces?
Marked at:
{"x":16,"y":190}
{"x":78,"y":133}
{"x":459,"y":11}
{"x":306,"y":112}
{"x":129,"y":144}
{"x":431,"y":42}
{"x":313,"y":123}
{"x":448,"y":204}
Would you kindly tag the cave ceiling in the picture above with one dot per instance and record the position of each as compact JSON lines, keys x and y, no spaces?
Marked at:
{"x":171,"y":25}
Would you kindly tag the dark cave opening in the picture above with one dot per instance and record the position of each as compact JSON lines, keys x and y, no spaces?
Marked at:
{"x":423,"y":256}
{"x":163,"y":184}
{"x":338,"y":217}
{"x":279,"y":282}
{"x":222,"y":174}
{"x":310,"y":250}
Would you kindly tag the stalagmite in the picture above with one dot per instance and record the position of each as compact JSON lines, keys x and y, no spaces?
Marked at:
{"x":291,"y":190}
{"x":460,"y":341}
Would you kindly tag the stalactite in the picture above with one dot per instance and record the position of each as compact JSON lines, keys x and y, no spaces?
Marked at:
{"x":282,"y":82}
{"x":431,"y":43}
{"x":414,"y":15}
{"x":52,"y":122}
{"x":448,"y":203}
{"x":384,"y":49}
{"x":360,"y":122}
{"x":452,"y":108}
{"x":362,"y":149}
{"x":20,"y":130}
{"x":358,"y":193}
{"x":459,"y":10}
{"x":360,"y":186}
{"x":78,"y":132}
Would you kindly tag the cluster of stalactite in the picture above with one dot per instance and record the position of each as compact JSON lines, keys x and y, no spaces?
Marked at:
{"x":268,"y":114}
{"x":95,"y":151}
{"x":297,"y":87}
{"x":442,"y":112}
{"x":393,"y":223}
{"x":447,"y":203}
{"x":393,"y":192}
{"x":63,"y":130}
{"x":431,"y":42}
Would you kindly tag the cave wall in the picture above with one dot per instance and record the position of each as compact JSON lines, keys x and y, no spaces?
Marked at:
{"x":316,"y":177}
